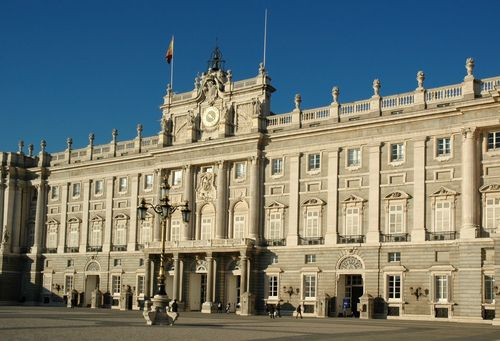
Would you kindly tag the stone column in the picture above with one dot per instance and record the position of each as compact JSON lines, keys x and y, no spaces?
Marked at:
{"x":254,"y":198}
{"x":175,"y":285}
{"x":134,"y":194}
{"x":469,"y":184}
{"x":39,"y":217}
{"x":292,"y":237}
{"x":243,"y":272}
{"x":207,"y":305}
{"x":418,"y":230}
{"x":64,"y":212}
{"x":85,"y":218}
{"x":332,"y":222}
{"x":187,"y":231}
{"x":17,"y":222}
{"x":373,"y":233}
{"x":221,"y":210}
{"x":2,"y":192}
{"x":157,"y":222}
{"x":147,"y":276}
{"x":108,"y":228}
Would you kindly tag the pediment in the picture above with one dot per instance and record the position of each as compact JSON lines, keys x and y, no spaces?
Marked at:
{"x":443,"y":191}
{"x":276,"y":205}
{"x":490,"y":188}
{"x":313,"y":202}
{"x":52,"y":222}
{"x":97,"y":218}
{"x":397,"y":195}
{"x":353,"y":198}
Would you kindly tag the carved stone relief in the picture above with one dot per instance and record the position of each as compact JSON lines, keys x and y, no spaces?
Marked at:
{"x":349,"y":263}
{"x":244,"y":117}
{"x":206,"y":190}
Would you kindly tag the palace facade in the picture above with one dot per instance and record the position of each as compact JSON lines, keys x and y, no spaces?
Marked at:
{"x":393,"y":199}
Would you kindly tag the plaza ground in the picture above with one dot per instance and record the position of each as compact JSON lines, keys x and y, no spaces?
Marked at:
{"x":54,"y":323}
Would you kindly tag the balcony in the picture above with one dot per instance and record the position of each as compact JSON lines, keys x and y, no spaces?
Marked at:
{"x":119,"y":248}
{"x":94,"y":248}
{"x":311,"y":241}
{"x":50,"y":250}
{"x":394,"y":238}
{"x":71,"y":249}
{"x":274,"y":242}
{"x":209,"y":243}
{"x":451,"y":235}
{"x":351,"y":239}
{"x":485,"y":233}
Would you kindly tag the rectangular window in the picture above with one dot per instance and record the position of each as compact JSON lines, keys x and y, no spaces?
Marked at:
{"x":122,"y":185}
{"x":276,"y":166}
{"x":145,"y":235}
{"x":397,"y":152}
{"x":140,"y":285}
{"x":394,"y":256}
{"x":494,"y":140}
{"x":116,"y":284}
{"x":239,"y":170}
{"x":52,"y":236}
{"x":353,"y":157}
{"x":443,"y":146}
{"x":239,"y":226}
{"x":70,"y":263}
{"x":275,"y":259}
{"x":441,"y":288}
{"x":309,"y":287}
{"x":443,"y":216}
{"x":492,"y":213}
{"x":273,"y":286}
{"x":489,"y":289}
{"x":68,"y":284}
{"x":352,"y":221}
{"x":54,"y":192}
{"x":76,"y":190}
{"x":120,"y":232}
{"x":206,"y":228}
{"x":310,"y":259}
{"x":175,"y":230}
{"x":312,"y":224}
{"x":148,"y":181}
{"x":73,"y":234}
{"x":177,"y":177}
{"x":394,"y":287}
{"x":395,"y":219}
{"x":99,"y":187}
{"x":313,"y":162}
{"x":95,"y":233}
{"x":275,"y":225}
{"x":117,"y":262}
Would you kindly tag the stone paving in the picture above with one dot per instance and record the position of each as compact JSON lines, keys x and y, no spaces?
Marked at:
{"x":54,"y":323}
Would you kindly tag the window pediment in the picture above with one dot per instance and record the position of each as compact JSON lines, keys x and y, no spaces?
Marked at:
{"x":121,"y":216}
{"x":313,"y":202}
{"x":74,"y":220}
{"x":397,"y":195}
{"x":490,"y":188}
{"x":276,"y":205}
{"x":353,"y":199}
{"x":52,"y":222}
{"x":444,"y":192}
{"x":97,"y":218}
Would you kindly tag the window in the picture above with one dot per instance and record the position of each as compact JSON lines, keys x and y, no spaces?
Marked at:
{"x":310,"y":259}
{"x":443,"y":147}
{"x":442,"y":216}
{"x":309,"y":286}
{"x":175,"y":230}
{"x":277,"y":166}
{"x":313,"y":162}
{"x":177,"y":177}
{"x":68,"y":284}
{"x":117,"y":262}
{"x":394,"y":256}
{"x":441,"y":288}
{"x":273,"y":286}
{"x":54,"y":192}
{"x":52,"y":235}
{"x":494,"y":140}
{"x":99,"y":187}
{"x":239,"y":226}
{"x":73,"y":234}
{"x":206,"y":228}
{"x":122,"y":185}
{"x":140,"y":285}
{"x":115,"y":284}
{"x":397,"y":152}
{"x":492,"y":213}
{"x":239,"y":170}
{"x":148,"y":181}
{"x":395,"y":218}
{"x":141,"y":261}
{"x":70,"y":263}
{"x":275,"y":259}
{"x":96,"y":233}
{"x":394,"y":287}
{"x":312,"y":224}
{"x":120,"y":237}
{"x":354,"y":157}
{"x":352,"y":221}
{"x":76,"y":190}
{"x":489,"y":289}
{"x":275,"y":225}
{"x":145,"y":231}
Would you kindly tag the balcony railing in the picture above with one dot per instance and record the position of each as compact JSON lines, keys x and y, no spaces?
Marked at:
{"x":451,"y":235}
{"x":119,"y":248}
{"x":71,"y":249}
{"x":94,"y":248}
{"x":350,"y":239}
{"x":394,"y":238}
{"x":274,"y":242}
{"x":311,"y":241}
{"x":50,"y":250}
{"x":485,"y":233}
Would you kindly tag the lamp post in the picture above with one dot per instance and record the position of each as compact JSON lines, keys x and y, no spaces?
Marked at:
{"x":165,"y":210}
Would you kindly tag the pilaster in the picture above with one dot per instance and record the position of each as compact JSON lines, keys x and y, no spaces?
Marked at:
{"x":221,"y":210}
{"x":469,"y":184}
{"x":39,"y":216}
{"x":134,"y":195}
{"x":64,"y":213}
{"x":254,"y":198}
{"x":292,"y":237}
{"x":373,"y":234}
{"x":108,"y":222}
{"x":243,"y":272}
{"x":418,"y":231}
{"x":331,"y":223}
{"x":85,"y":218}
{"x":186,"y":233}
{"x":17,"y":221}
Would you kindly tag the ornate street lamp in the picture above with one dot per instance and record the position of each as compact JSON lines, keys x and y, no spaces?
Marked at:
{"x":165,"y":210}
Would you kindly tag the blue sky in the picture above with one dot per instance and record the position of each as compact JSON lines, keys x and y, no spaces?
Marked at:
{"x":68,"y":68}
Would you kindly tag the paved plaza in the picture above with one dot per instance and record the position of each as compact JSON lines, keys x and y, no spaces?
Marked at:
{"x":44,"y":323}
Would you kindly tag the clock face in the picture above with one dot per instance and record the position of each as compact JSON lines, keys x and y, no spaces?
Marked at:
{"x":210,"y":117}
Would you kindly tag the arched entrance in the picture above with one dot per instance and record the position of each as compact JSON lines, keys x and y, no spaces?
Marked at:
{"x":92,"y":271}
{"x":350,"y":284}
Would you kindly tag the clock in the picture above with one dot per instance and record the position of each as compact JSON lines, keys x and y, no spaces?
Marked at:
{"x":210,"y":117}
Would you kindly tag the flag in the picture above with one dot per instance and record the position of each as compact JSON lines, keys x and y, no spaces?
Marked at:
{"x":170,"y":51}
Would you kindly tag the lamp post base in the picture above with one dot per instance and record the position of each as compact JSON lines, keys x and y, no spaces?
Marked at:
{"x":155,"y":311}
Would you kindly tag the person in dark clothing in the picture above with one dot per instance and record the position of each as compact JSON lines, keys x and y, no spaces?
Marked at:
{"x":175,"y":306}
{"x":278,"y":309}
{"x":219,"y":307}
{"x":299,"y":312}
{"x":271,"y":311}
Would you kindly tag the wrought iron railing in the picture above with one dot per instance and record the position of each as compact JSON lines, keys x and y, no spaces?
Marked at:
{"x":274,"y":242}
{"x":50,"y":250}
{"x":311,"y":240}
{"x":394,"y":238}
{"x":71,"y":249}
{"x":91,"y":248}
{"x":485,"y":233}
{"x":450,"y":235}
{"x":119,"y":248}
{"x":350,"y":239}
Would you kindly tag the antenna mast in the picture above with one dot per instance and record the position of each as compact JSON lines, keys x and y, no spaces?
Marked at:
{"x":265,"y":38}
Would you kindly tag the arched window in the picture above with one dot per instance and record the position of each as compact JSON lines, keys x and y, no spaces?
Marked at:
{"x":120,"y":231}
{"x":206,"y":222}
{"x":52,"y":227}
{"x":73,"y":233}
{"x":240,"y":218}
{"x":95,"y":235}
{"x":145,"y":227}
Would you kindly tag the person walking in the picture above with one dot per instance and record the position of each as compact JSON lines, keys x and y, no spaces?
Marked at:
{"x":219,"y":307}
{"x":299,"y":312}
{"x":228,"y":307}
{"x":278,"y":310}
{"x":271,"y":311}
{"x":173,"y":312}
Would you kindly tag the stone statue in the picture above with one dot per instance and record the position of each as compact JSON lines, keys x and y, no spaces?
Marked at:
{"x":335,"y":94}
{"x":469,"y":66}
{"x":298,"y":100}
{"x":376,"y":87}
{"x":257,"y":107}
{"x":191,"y":117}
{"x":262,"y":69}
{"x":211,"y":91}
{"x":69,"y":142}
{"x":420,"y":80}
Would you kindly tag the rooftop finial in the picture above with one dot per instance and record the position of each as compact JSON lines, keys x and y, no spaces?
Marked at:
{"x":376,"y":87}
{"x":30,"y":149}
{"x":420,"y":80}
{"x":43,"y":145}
{"x":20,"y":146}
{"x":469,"y":65}
{"x":69,"y":142}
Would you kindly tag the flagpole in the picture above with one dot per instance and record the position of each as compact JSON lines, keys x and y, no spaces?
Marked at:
{"x":265,"y":38}
{"x":172,"y":67}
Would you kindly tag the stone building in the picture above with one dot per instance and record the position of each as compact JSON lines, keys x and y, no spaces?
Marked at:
{"x":395,"y":199}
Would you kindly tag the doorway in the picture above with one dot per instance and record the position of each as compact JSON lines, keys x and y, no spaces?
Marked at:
{"x":197,"y":290}
{"x":232,"y":291}
{"x":91,"y":283}
{"x":354,"y":290}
